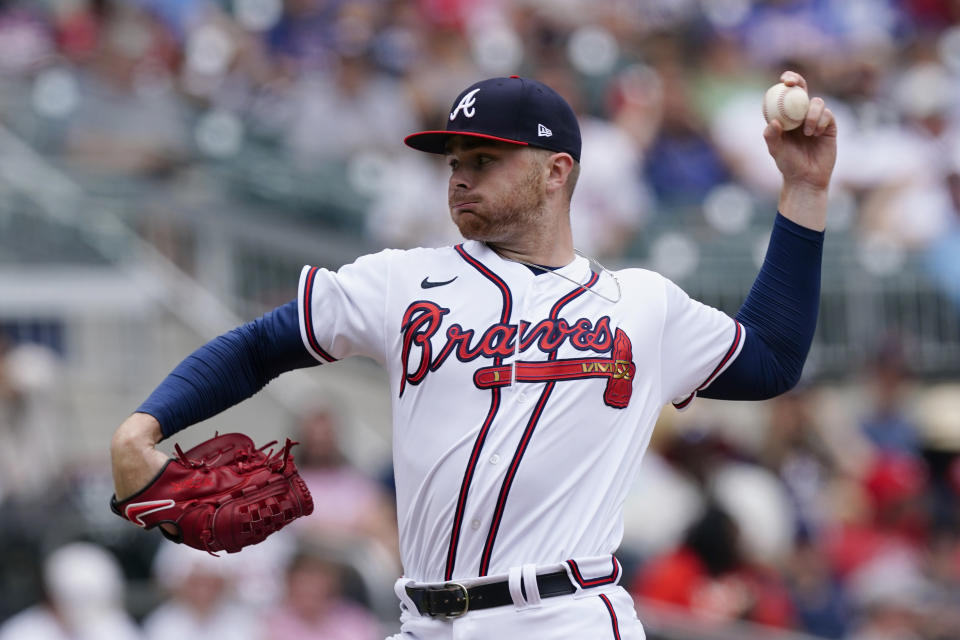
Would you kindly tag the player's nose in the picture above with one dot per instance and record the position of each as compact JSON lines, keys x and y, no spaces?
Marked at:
{"x":459,"y":180}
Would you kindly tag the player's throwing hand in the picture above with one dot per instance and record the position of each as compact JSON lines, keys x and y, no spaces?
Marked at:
{"x":806,"y":155}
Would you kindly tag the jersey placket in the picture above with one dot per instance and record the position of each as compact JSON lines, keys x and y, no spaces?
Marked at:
{"x":531,"y":398}
{"x":501,"y":439}
{"x":465,"y":522}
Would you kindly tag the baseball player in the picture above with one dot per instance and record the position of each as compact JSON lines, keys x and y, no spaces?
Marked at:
{"x":525,"y":379}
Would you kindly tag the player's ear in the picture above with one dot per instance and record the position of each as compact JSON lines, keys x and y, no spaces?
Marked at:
{"x":559,"y":166}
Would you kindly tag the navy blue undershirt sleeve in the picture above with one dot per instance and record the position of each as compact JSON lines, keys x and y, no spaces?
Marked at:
{"x":228,"y":369}
{"x":779,"y":316}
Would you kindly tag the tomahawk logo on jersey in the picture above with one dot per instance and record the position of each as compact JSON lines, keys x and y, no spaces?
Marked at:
{"x":498,"y":380}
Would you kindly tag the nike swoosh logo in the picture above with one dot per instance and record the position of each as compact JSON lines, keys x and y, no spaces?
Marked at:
{"x":426,"y":284}
{"x":136,"y":511}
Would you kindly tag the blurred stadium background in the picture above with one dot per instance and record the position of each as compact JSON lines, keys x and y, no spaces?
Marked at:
{"x":167,"y":166}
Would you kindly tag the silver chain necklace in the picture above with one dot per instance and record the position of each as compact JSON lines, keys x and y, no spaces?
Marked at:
{"x":592,"y":261}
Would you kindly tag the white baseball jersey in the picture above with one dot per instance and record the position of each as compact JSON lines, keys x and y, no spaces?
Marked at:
{"x":522,"y":404}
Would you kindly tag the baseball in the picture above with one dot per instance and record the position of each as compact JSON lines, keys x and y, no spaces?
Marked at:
{"x":786,"y":104}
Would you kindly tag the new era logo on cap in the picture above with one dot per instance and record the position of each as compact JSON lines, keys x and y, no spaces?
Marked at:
{"x":514,"y":110}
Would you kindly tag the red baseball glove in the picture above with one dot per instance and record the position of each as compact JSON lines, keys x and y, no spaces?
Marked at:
{"x":223,"y":494}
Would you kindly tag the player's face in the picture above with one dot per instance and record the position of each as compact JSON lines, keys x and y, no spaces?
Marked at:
{"x":497,"y":190}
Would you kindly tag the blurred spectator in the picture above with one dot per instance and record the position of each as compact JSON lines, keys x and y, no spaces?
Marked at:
{"x":658,"y":512}
{"x":84,"y":599}
{"x":749,"y":494}
{"x":735,"y":130}
{"x":310,"y":34}
{"x":940,"y":567}
{"x":350,"y":109}
{"x":897,"y":484}
{"x":636,"y":104}
{"x":939,"y":420}
{"x":312,"y":607}
{"x":761,"y":507}
{"x":439,"y":69}
{"x":821,"y":602}
{"x":199,"y":598}
{"x":698,"y":451}
{"x":887,"y":425}
{"x":120,"y":112}
{"x":931,"y":14}
{"x":720,"y":72}
{"x":889,"y":593}
{"x":779,"y":30}
{"x":912,"y":206}
{"x":682,"y":164}
{"x":25,"y":40}
{"x":795,"y":450}
{"x":9,"y":395}
{"x":885,"y":515}
{"x":709,"y":576}
{"x":352,"y":507}
{"x":410,"y":207}
{"x":611,"y":201}
{"x":30,"y":412}
{"x":940,"y":259}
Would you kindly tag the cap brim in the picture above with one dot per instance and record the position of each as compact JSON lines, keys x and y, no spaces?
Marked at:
{"x":436,"y":141}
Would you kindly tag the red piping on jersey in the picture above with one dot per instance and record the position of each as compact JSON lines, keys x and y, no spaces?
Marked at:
{"x":613,"y":616}
{"x":491,"y":414}
{"x":525,"y":439}
{"x":308,"y":315}
{"x":716,"y":370}
{"x":594,"y":582}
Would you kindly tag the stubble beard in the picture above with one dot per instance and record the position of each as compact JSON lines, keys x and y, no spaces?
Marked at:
{"x":510,"y":215}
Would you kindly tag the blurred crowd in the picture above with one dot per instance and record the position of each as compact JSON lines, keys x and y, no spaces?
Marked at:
{"x":304,"y":103}
{"x":839,"y":523}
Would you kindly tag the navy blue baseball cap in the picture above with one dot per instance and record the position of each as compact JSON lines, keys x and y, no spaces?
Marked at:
{"x":515,"y":110}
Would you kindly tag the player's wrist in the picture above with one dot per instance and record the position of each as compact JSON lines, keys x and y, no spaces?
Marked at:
{"x":134,"y":458}
{"x":804,"y":203}
{"x":140,"y":430}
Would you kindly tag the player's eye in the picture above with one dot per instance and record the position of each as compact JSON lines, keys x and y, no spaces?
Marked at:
{"x":453,"y":163}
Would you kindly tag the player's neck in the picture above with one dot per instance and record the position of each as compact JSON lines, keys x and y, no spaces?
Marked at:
{"x":544,"y":250}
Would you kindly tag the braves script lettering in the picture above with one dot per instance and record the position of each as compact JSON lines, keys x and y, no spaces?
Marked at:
{"x":423,"y":351}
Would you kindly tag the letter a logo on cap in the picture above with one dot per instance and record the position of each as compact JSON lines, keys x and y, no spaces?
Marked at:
{"x":466,"y":103}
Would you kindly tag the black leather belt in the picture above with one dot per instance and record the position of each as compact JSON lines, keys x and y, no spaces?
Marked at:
{"x":452,"y":599}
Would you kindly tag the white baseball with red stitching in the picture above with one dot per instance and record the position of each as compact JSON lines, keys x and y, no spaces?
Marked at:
{"x":786,"y":104}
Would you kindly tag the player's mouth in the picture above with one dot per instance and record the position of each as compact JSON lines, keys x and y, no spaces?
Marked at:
{"x":466,"y":205}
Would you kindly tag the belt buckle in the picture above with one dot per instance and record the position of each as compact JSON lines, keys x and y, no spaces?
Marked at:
{"x":454,"y":588}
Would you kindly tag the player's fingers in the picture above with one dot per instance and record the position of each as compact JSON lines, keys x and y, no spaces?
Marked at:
{"x":826,"y":123}
{"x":814,"y":112}
{"x":773,"y":135}
{"x":792,"y":78}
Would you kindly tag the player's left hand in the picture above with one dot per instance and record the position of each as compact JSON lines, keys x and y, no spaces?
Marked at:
{"x":223,"y":494}
{"x":806,"y":155}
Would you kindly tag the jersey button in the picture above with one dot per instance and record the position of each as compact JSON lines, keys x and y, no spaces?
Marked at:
{"x":522,"y":397}
{"x":475,"y":524}
{"x":494,"y":459}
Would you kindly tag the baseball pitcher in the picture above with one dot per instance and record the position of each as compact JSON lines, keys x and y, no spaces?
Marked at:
{"x":525,"y":379}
